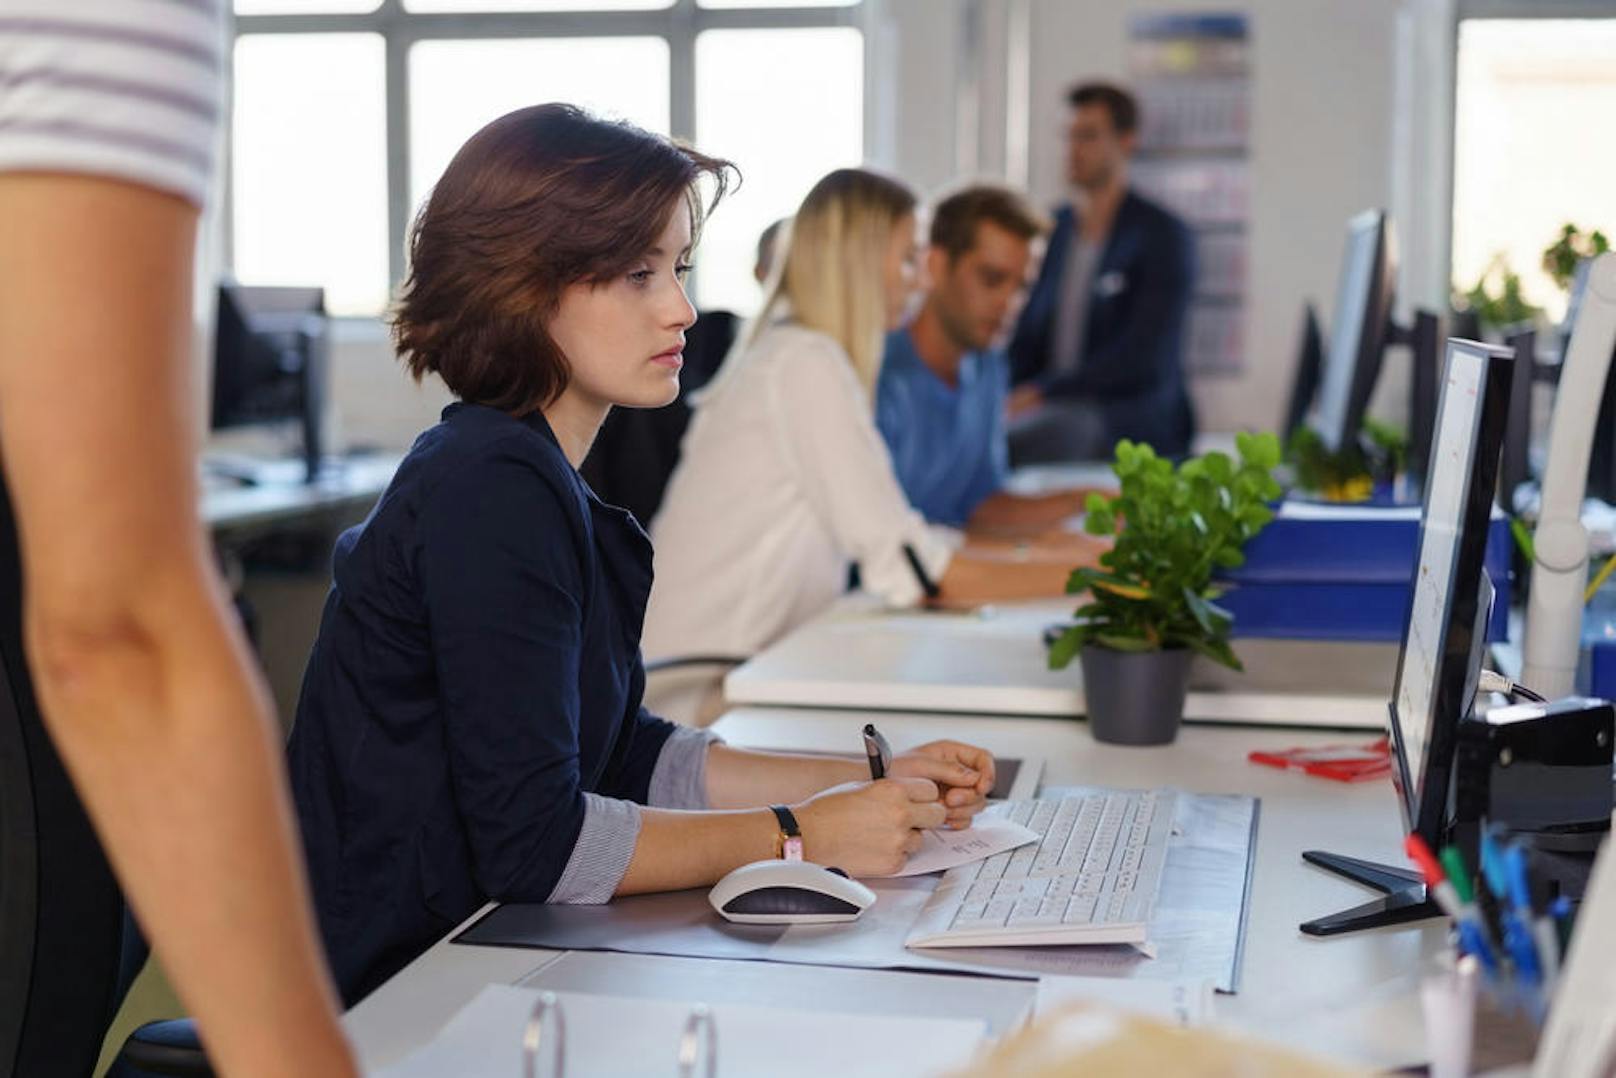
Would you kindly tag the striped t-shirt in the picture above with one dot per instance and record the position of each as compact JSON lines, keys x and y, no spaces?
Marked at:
{"x":129,"y":89}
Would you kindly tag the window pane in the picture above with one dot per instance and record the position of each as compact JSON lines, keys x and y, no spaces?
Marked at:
{"x":309,"y":166}
{"x":775,"y":3}
{"x":1532,"y":115}
{"x":458,"y":86}
{"x":535,"y":5}
{"x":304,"y":7}
{"x":801,"y":114}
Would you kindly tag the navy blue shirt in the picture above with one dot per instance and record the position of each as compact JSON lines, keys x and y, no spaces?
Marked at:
{"x":1132,"y":360}
{"x":477,"y":670}
{"x":949,"y":444}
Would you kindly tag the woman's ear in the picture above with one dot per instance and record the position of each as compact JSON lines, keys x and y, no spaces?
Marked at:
{"x":934,"y":268}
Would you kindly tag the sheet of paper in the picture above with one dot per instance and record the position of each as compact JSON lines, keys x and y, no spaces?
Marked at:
{"x":622,"y":1037}
{"x":1580,"y":1039}
{"x":1183,"y":1003}
{"x":989,"y":834}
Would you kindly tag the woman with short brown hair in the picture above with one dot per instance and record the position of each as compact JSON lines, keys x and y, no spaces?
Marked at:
{"x":470,"y":727}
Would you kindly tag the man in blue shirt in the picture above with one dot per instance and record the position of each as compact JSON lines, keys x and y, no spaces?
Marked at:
{"x":940,"y":402}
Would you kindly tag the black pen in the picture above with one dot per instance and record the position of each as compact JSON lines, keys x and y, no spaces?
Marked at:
{"x":927,"y":584}
{"x":877,"y":749}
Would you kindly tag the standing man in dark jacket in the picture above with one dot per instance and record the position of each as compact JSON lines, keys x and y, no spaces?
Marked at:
{"x":1097,"y":355}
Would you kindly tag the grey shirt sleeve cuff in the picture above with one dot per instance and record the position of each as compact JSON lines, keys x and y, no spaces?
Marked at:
{"x":601,"y":854}
{"x":679,"y":780}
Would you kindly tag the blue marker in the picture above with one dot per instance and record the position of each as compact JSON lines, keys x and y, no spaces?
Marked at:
{"x":1472,"y":941}
{"x":1518,"y":931}
{"x":1561,"y":912}
{"x":1492,"y":865}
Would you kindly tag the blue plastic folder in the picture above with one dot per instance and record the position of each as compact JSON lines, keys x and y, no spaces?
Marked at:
{"x":1343,"y":572}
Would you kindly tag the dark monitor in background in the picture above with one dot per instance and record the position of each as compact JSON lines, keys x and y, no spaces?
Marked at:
{"x":269,"y":362}
{"x":1515,"y":467}
{"x":1602,"y":455}
{"x":1439,"y":662}
{"x":1358,"y":336}
{"x":1424,"y":340}
{"x":1465,"y":324}
{"x":1309,"y":366}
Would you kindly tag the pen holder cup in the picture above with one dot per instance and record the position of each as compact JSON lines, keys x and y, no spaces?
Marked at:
{"x":1135,"y":697}
{"x":1472,"y":1027}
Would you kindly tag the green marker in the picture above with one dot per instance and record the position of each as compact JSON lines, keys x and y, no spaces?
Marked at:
{"x":1458,"y":875}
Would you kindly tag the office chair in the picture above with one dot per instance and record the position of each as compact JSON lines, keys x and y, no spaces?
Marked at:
{"x":687,"y":689}
{"x":637,"y":448}
{"x":68,"y":950}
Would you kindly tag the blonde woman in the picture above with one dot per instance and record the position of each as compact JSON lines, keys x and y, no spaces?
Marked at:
{"x":784,"y":480}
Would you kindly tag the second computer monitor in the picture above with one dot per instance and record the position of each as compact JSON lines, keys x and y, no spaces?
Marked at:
{"x":1358,"y":332}
{"x":1439,"y":662}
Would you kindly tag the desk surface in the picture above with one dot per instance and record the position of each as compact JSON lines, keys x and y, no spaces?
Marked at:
{"x":360,"y":479}
{"x":859,"y":656}
{"x":1352,"y":998}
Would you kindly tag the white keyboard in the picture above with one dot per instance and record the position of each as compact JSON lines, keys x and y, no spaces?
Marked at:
{"x":1092,"y":877}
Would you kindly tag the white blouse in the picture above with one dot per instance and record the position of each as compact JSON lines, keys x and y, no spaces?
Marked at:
{"x":783,"y":481}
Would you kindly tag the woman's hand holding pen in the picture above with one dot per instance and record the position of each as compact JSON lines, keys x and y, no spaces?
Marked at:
{"x":868,"y":828}
{"x":964,"y":775}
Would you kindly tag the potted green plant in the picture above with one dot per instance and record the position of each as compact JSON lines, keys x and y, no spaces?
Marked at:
{"x":1151,"y":605}
{"x":1351,"y":474}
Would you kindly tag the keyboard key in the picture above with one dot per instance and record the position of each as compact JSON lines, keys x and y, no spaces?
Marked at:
{"x":1080,"y":910}
{"x":1020,"y":888}
{"x":1023,"y":909}
{"x":981,"y":891}
{"x":993,"y":867}
{"x":1021,"y":861}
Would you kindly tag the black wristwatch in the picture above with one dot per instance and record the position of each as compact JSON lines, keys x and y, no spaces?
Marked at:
{"x":789,"y":848}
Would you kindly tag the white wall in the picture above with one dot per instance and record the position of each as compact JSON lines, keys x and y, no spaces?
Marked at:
{"x":1322,"y":116}
{"x":374,"y":400}
{"x":1326,"y":133}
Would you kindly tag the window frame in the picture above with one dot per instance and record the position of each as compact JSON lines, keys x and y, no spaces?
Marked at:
{"x":679,"y":25}
{"x":1482,"y":10}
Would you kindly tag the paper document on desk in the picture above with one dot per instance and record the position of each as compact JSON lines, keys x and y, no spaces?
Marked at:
{"x":1182,"y":1003}
{"x":623,"y":1037}
{"x":941,"y":849}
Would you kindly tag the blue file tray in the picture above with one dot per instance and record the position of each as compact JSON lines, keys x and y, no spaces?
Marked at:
{"x":1343,"y":573}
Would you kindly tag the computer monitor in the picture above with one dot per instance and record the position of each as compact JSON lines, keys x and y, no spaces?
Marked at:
{"x":1516,"y":466}
{"x":1358,"y":335}
{"x":1602,"y":455}
{"x":270,"y":362}
{"x":1439,"y":661}
{"x":1309,"y":365}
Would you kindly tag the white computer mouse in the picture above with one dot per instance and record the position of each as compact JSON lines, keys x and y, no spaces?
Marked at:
{"x":789,"y":893}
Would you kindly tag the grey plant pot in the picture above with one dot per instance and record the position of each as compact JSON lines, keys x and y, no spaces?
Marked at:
{"x":1135,"y":697}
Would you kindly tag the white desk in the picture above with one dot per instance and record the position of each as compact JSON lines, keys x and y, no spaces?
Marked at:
{"x":358,"y":482}
{"x":859,"y":656}
{"x":1352,"y":997}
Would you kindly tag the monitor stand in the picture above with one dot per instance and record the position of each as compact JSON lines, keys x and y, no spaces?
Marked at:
{"x":1404,"y":890}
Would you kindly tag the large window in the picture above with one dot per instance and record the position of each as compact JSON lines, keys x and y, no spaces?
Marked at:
{"x":347,"y":111}
{"x":1532,"y":146}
